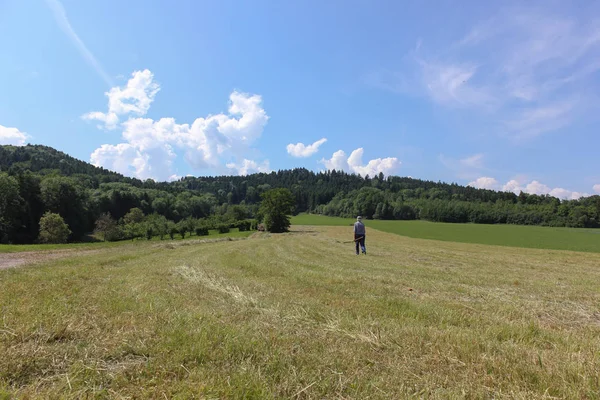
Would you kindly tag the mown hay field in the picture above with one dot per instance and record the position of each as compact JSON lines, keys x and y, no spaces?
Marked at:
{"x":298,"y":315}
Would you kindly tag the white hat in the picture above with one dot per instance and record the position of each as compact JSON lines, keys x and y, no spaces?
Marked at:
{"x":358,"y":218}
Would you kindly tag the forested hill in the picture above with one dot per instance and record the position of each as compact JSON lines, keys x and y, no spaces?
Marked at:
{"x":46,"y":160}
{"x":35,"y":179}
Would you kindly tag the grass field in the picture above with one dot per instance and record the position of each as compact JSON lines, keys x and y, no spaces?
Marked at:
{"x":537,"y":237}
{"x":12,"y":248}
{"x":299,"y":316}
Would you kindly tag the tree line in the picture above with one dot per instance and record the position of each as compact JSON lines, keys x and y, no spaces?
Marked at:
{"x":35,"y":180}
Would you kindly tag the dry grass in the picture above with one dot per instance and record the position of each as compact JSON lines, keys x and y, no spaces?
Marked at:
{"x":298,"y":315}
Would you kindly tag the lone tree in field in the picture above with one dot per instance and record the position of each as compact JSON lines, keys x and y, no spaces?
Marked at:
{"x":53,"y":229}
{"x":276,"y":206}
{"x":107,"y":227}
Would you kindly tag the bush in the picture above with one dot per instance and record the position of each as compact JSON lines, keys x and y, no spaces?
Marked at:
{"x":244,"y":225}
{"x":223,"y":228}
{"x":53,"y":229}
{"x":202,"y":231}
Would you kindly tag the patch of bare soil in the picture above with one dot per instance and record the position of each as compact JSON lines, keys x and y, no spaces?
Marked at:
{"x":11,"y":260}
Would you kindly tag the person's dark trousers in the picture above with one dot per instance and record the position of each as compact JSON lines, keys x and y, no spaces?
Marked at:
{"x":360,"y":242}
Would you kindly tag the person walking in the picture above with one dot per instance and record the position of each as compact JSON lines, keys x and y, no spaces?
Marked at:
{"x":359,"y":235}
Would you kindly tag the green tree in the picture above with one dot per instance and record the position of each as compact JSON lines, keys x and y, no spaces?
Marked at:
{"x":63,"y":196}
{"x":237,"y":213}
{"x":134,"y":230}
{"x":156,"y":223}
{"x":53,"y":229}
{"x":182,"y":228}
{"x":276,"y":207}
{"x":107,"y":227}
{"x":10,"y":206}
{"x":135,"y":215}
{"x":172,"y":229}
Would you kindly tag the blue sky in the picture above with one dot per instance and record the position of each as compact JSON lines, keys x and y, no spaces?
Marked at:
{"x":496,"y":95}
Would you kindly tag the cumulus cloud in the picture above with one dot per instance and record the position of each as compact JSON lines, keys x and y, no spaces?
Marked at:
{"x":128,"y":159}
{"x":354,"y":163}
{"x":484,"y":182}
{"x":135,"y":98}
{"x":533,"y":187}
{"x":597,"y":188}
{"x":150,"y":149}
{"x":302,"y":150}
{"x":13,"y":136}
{"x":250,"y":166}
{"x":338,"y":161}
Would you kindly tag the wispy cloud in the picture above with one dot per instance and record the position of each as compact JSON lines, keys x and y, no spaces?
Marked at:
{"x":527,"y":71}
{"x":474,"y":161}
{"x":465,"y":168}
{"x":60,"y":16}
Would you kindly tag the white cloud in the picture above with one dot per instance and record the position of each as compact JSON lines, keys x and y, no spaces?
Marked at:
{"x":597,"y":188}
{"x":353,"y":163}
{"x":484,"y":182}
{"x":533,"y":187}
{"x":565,"y":194}
{"x":249,"y":166}
{"x":122,"y":158}
{"x":512,"y":186}
{"x":135,"y":98}
{"x":13,"y":136}
{"x":129,"y":160}
{"x":538,"y":78}
{"x":60,"y":16}
{"x":536,"y":187}
{"x":216,"y":141}
{"x":338,"y":162}
{"x":302,"y":150}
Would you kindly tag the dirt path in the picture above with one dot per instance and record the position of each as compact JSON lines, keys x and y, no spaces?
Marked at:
{"x":11,"y":260}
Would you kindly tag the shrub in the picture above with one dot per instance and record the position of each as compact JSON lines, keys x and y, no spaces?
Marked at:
{"x":223,"y":228}
{"x":202,"y":231}
{"x":244,"y":225}
{"x":53,"y":229}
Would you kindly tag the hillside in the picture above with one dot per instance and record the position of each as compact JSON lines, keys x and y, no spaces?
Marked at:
{"x":43,"y":159}
{"x":35,"y":179}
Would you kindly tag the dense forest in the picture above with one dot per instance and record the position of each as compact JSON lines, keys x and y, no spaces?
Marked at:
{"x":36,"y":179}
